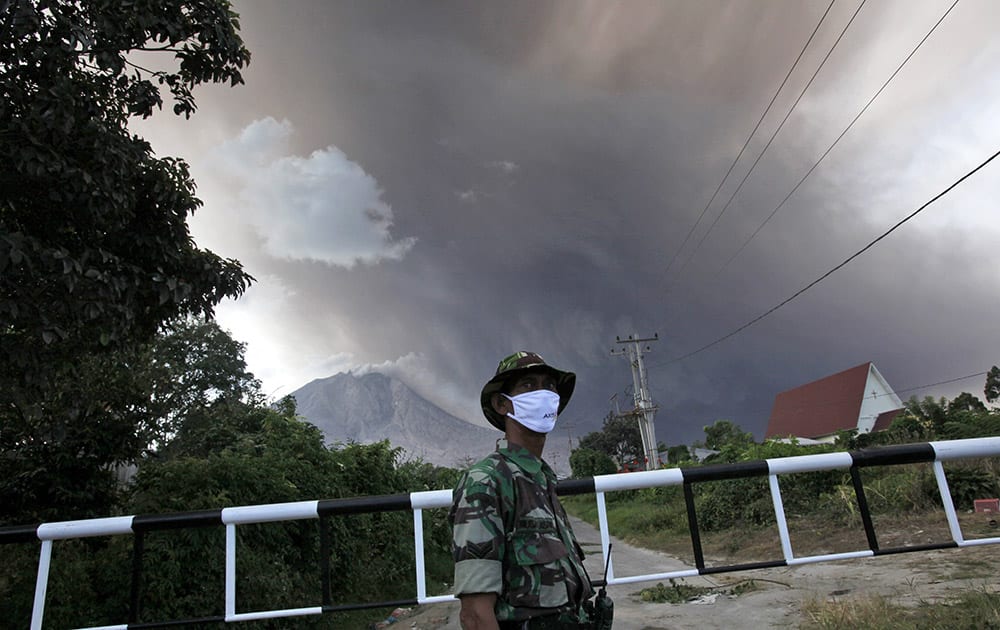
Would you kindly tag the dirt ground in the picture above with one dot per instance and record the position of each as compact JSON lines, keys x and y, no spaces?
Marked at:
{"x":775,"y":597}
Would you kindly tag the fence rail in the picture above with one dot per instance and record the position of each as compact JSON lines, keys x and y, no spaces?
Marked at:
{"x":935,"y":453}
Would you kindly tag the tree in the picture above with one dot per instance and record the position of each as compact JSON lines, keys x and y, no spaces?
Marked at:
{"x":724,"y":433}
{"x":678,"y":454}
{"x":966,"y":402}
{"x":94,"y":244}
{"x":217,"y":442}
{"x":183,"y":392}
{"x":191,"y":367}
{"x":992,"y":388}
{"x":619,"y":438}
{"x":586,"y":462}
{"x":933,"y":413}
{"x":95,"y":252}
{"x":58,"y":456}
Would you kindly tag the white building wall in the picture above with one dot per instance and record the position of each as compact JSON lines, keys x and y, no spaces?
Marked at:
{"x":878,"y":399}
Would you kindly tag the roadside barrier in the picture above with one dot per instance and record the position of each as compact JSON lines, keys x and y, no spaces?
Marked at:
{"x":935,"y":453}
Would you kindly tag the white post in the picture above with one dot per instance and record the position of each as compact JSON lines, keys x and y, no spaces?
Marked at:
{"x":230,"y":571}
{"x":418,"y":550}
{"x":779,"y":515}
{"x":602,"y":518}
{"x":41,"y":584}
{"x":949,"y":505}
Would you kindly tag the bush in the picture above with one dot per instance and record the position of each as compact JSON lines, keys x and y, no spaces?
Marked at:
{"x":371,"y":555}
{"x":970,"y":482}
{"x":733,"y":503}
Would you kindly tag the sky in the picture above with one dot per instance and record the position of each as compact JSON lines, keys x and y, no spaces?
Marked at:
{"x":423,"y":188}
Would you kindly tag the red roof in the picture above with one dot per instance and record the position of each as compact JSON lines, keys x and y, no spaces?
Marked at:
{"x":819,"y":408}
{"x":885,"y":419}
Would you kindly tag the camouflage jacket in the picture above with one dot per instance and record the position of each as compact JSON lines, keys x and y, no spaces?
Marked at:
{"x":513,"y":538}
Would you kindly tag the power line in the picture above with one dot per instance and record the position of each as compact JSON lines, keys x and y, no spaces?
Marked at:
{"x":773,"y":136}
{"x":750,"y":137}
{"x":875,"y":396}
{"x":836,"y":268}
{"x":830,"y":402}
{"x":838,"y":401}
{"x":951,"y":380}
{"x":825,"y":153}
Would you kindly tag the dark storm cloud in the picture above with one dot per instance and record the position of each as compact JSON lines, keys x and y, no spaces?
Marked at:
{"x":534,"y":168}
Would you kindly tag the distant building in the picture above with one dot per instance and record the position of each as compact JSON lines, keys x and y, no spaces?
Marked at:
{"x":701,"y":454}
{"x":858,"y":398}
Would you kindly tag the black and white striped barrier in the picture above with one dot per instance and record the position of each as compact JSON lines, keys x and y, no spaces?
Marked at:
{"x":930,"y":452}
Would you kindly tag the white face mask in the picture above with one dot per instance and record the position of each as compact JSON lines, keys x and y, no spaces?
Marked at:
{"x":535,"y":409}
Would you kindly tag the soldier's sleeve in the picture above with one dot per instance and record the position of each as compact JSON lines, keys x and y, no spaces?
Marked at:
{"x":477,"y":535}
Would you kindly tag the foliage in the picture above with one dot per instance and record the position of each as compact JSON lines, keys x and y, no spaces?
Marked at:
{"x":585,"y":462}
{"x":992,"y":388}
{"x":57,"y":457}
{"x":747,"y":502}
{"x":728,"y":439}
{"x":965,"y":402}
{"x":970,"y":480}
{"x":94,"y":245}
{"x":619,"y":439}
{"x":677,"y":593}
{"x":898,"y":489}
{"x":371,"y":554}
{"x":95,"y":252}
{"x":65,"y":467}
{"x":733,"y":503}
{"x":678,"y":454}
{"x":284,"y":460}
{"x":906,"y":428}
{"x":424,"y":476}
{"x":275,"y":458}
{"x":965,"y":416}
{"x":724,"y":433}
{"x":193,"y":364}
{"x":217,"y":443}
{"x":968,"y":424}
{"x":933,"y":413}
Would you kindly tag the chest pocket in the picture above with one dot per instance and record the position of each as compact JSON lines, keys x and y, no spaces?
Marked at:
{"x":536,"y":576}
{"x":540,"y":546}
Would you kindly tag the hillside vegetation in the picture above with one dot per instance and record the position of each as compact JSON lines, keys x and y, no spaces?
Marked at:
{"x":227,"y":447}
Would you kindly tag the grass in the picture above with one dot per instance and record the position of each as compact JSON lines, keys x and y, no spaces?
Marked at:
{"x":663,"y":526}
{"x":971,"y":610}
{"x":969,"y":569}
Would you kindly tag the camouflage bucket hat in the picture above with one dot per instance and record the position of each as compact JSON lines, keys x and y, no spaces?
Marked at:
{"x":513,"y":366}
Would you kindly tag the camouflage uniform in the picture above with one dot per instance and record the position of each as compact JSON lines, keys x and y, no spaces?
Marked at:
{"x":513,"y":538}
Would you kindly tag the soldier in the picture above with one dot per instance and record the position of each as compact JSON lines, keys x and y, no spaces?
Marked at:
{"x":517,"y":561}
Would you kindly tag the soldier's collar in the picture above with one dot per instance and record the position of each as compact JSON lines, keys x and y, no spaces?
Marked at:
{"x":521,"y":456}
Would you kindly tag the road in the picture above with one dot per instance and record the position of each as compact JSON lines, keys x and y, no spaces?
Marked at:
{"x":779,"y":593}
{"x":630,"y":612}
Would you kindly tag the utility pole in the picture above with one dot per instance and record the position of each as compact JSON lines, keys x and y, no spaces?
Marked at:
{"x":569,"y":435}
{"x":644,"y":408}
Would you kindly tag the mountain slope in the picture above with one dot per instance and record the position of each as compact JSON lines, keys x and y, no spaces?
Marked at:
{"x":373,"y":407}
